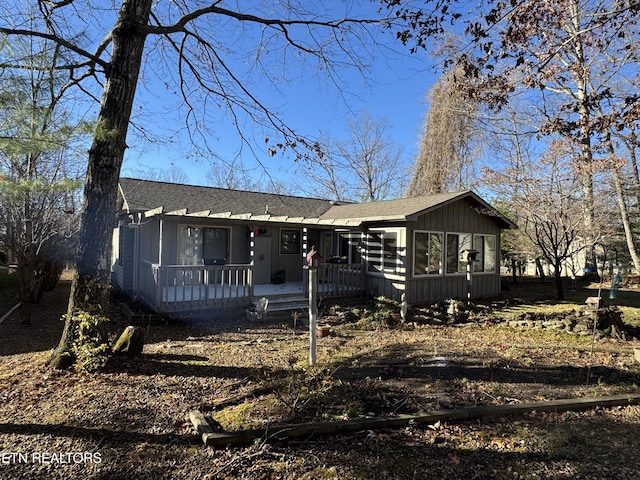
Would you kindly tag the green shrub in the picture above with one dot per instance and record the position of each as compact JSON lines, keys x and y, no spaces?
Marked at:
{"x":90,"y":346}
{"x":385,"y":308}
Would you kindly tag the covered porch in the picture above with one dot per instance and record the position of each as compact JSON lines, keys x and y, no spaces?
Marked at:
{"x":184,"y":288}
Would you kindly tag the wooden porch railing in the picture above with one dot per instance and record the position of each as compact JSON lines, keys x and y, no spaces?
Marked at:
{"x":176,"y":288}
{"x":194,"y":287}
{"x":340,"y":279}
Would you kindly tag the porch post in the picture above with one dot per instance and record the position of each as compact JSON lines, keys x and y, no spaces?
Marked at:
{"x":305,"y":272}
{"x":469,"y":280}
{"x":159,"y":275}
{"x":252,"y":255}
{"x":160,"y":235}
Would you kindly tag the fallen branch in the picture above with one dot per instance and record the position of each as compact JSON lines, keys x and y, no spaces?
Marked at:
{"x":219,"y":439}
{"x":8,"y":314}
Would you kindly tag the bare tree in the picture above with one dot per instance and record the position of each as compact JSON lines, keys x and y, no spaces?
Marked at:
{"x":578,"y":61}
{"x":232,"y":175}
{"x":323,"y":176}
{"x":545,"y":194}
{"x":447,"y":150}
{"x":173,"y":174}
{"x":193,"y":55}
{"x":366,"y":166}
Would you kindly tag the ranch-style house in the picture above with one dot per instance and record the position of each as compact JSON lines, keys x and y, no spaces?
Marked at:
{"x":183,"y":248}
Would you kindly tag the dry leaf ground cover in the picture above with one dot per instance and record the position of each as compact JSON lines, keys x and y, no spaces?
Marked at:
{"x":130,"y":421}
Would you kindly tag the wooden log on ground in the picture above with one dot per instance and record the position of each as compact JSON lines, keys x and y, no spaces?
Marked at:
{"x":221,"y":439}
{"x":131,"y":341}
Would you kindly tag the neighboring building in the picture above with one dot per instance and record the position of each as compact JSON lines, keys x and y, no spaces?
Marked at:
{"x":180,"y":248}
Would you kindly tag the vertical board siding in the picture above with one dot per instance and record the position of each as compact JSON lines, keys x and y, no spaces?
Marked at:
{"x":458,"y":217}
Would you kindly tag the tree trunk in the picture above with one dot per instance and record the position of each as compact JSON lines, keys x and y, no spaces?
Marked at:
{"x":580,"y":74}
{"x":558,"y":279}
{"x":90,"y":287}
{"x":624,"y":216}
{"x":25,"y":273}
{"x":540,"y":268}
{"x":631,"y":142}
{"x":622,"y":204}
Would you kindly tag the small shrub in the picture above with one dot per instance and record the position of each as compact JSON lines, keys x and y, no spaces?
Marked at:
{"x":385,"y":308}
{"x":298,"y":388}
{"x":91,"y":346}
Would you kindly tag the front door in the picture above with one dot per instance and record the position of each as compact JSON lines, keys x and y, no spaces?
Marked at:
{"x":262,"y":260}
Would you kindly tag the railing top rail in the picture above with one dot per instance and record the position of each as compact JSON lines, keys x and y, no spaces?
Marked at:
{"x":200,"y":266}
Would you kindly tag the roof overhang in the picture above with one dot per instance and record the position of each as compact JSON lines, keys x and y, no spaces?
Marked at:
{"x":249,"y":217}
{"x":481,"y":207}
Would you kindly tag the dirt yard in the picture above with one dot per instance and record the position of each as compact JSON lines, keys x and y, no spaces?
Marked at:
{"x":131,"y":420}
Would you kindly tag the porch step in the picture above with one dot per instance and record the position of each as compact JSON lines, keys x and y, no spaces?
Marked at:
{"x":282,"y":303}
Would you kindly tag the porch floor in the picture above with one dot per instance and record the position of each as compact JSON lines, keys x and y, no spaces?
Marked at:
{"x":269,"y":289}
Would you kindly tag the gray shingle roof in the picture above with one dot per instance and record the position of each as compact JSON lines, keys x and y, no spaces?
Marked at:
{"x":398,"y":209}
{"x":410,"y":207}
{"x":144,"y":195}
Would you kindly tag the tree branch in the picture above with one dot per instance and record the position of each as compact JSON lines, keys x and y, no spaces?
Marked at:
{"x":58,"y":40}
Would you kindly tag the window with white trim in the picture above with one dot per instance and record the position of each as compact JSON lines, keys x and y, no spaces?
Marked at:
{"x":290,"y":242}
{"x":428,"y":253}
{"x":456,"y":244}
{"x":486,"y":247}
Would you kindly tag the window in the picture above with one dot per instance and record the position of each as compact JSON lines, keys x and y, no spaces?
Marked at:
{"x":290,"y":243}
{"x":456,"y":244}
{"x":199,"y":245}
{"x":383,"y":251}
{"x":486,"y":247}
{"x":190,"y":249}
{"x":215,"y":246}
{"x":427,"y":253}
{"x":349,"y":246}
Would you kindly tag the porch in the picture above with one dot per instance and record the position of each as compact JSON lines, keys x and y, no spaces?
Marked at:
{"x":183,"y":288}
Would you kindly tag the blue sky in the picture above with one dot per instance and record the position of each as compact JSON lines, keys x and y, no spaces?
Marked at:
{"x":397,"y":94}
{"x":394,"y":89}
